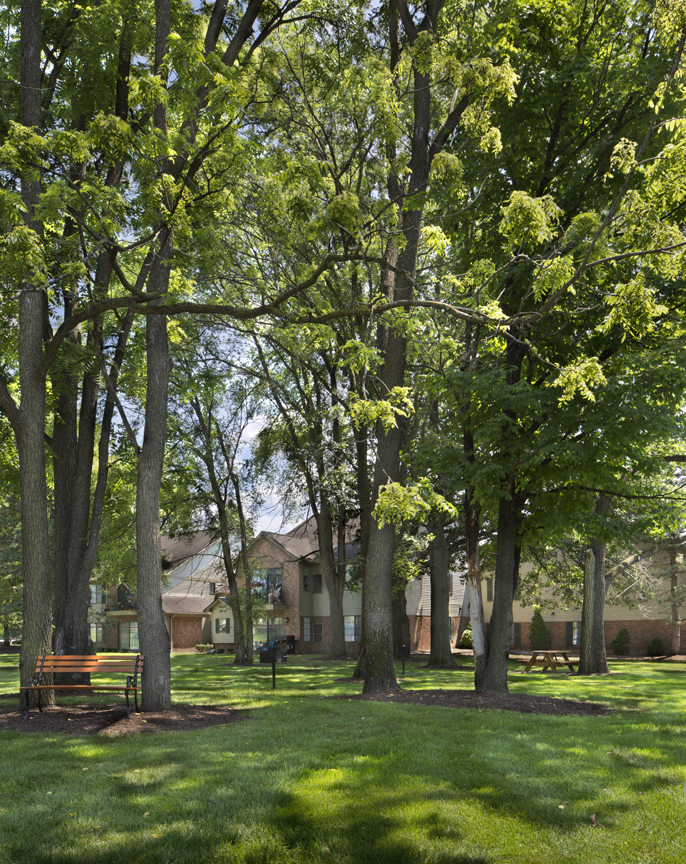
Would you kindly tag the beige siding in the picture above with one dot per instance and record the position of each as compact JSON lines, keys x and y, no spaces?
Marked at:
{"x":352,"y":603}
{"x":306,"y":596}
{"x":320,"y":602}
{"x":198,"y":584}
{"x":220,"y":610}
{"x":419,"y":596}
{"x":413,"y":593}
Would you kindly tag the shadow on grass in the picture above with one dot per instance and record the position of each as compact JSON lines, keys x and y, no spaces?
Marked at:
{"x":332,"y":780}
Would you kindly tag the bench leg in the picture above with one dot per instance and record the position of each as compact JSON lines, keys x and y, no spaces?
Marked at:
{"x":26,"y":712}
{"x":40,"y":701}
{"x":135,"y":699}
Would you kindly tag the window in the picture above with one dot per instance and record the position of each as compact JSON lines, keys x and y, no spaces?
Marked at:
{"x":316,"y":583}
{"x":97,"y":633}
{"x":128,"y":635}
{"x":97,"y":594}
{"x":307,"y":633}
{"x":306,"y":578}
{"x":266,"y":629}
{"x":222,"y":625}
{"x":451,"y":576}
{"x":353,"y":628}
{"x":572,"y":634}
{"x":489,"y":590}
{"x":213,"y":587}
{"x":267,"y":584}
{"x":318,"y":633}
{"x":517,"y":634}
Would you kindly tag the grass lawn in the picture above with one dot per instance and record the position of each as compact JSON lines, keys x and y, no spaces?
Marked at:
{"x":309,"y":779}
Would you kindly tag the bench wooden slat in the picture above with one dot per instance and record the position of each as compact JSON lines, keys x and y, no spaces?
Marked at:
{"x":82,"y":687}
{"x":95,"y":666}
{"x":53,"y":664}
{"x":57,"y":665}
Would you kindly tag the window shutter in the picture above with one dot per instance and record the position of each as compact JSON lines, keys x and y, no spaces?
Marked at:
{"x":569,"y":634}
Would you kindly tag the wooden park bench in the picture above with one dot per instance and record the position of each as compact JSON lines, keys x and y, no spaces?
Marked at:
{"x":54,"y":664}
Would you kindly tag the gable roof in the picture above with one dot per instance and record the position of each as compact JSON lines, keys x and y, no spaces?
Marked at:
{"x":176,"y":550}
{"x":181,"y":604}
{"x":302,"y":542}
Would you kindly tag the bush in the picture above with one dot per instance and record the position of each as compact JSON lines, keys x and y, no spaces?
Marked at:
{"x":466,"y":638}
{"x":540,"y":638}
{"x":620,"y":644}
{"x":655,"y":647}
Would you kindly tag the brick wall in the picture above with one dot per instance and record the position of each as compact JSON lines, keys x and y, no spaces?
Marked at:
{"x":112,"y":630}
{"x":187,"y":631}
{"x":291,"y":597}
{"x":318,"y":647}
{"x":642,"y":632}
{"x":266,"y":554}
{"x":420,"y":632}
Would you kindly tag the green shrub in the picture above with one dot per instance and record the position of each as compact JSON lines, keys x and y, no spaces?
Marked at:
{"x":655,"y":647}
{"x":466,"y":638}
{"x":540,"y":638}
{"x":620,"y":644}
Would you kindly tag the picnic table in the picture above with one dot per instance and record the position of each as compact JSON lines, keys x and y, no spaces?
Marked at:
{"x":551,"y":660}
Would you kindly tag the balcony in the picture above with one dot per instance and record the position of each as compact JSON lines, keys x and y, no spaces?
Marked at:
{"x":128,"y":606}
{"x":270,"y":593}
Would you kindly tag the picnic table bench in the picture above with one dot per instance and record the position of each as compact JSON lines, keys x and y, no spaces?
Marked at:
{"x":54,"y":664}
{"x":550,"y":660}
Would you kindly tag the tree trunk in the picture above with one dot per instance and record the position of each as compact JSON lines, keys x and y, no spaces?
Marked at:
{"x":234,"y":604}
{"x":401,"y":623}
{"x":495,"y":677}
{"x":72,"y":633}
{"x":380,"y":675}
{"x":29,"y":420}
{"x":586,"y":663}
{"x":220,"y":493}
{"x":676,"y":629}
{"x":153,"y":635}
{"x":594,"y":654}
{"x":248,"y":636}
{"x":440,"y":656}
{"x":364,"y":493}
{"x":64,"y":437}
{"x":377,"y":611}
{"x":77,"y":526}
{"x":475,"y":598}
{"x":334,"y":584}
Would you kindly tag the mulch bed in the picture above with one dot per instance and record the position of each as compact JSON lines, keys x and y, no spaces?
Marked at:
{"x":521,"y":702}
{"x":99,"y":719}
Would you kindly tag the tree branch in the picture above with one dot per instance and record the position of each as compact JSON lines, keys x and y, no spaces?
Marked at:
{"x":8,"y":405}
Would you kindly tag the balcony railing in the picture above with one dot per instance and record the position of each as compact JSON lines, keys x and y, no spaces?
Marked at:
{"x":271,"y":594}
{"x":121,"y":607}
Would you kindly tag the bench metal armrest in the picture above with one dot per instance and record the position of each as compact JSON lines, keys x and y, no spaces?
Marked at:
{"x":132,"y":680}
{"x":36,"y":681}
